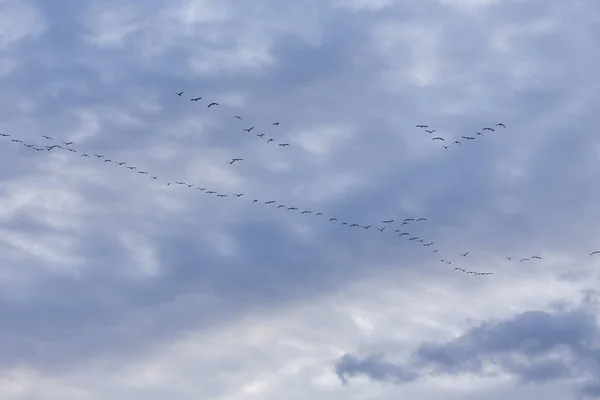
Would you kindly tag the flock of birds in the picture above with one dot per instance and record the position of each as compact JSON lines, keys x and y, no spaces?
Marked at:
{"x":458,"y":142}
{"x":387,"y":225}
{"x":247,"y":130}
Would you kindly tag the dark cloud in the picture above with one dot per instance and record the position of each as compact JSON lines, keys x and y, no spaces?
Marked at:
{"x":534,"y":346}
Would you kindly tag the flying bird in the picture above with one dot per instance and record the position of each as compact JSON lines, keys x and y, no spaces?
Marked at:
{"x":319,"y":213}
{"x":457,"y":142}
{"x":179,"y":94}
{"x":47,"y":137}
{"x":238,"y":195}
{"x":306,"y":212}
{"x":421,"y":219}
{"x":292,"y":208}
{"x":501,"y":124}
{"x":381,"y":229}
{"x":537,"y":258}
{"x":431,"y":131}
{"x":84,"y":155}
{"x":446,"y":147}
{"x":524,"y":259}
{"x":459,"y":269}
{"x":478,"y":133}
{"x":488,"y":129}
{"x":366,"y":226}
{"x":353,"y":225}
{"x":404,"y":234}
{"x":344,"y":223}
{"x":270,"y":202}
{"x":275,"y":123}
{"x":238,"y":117}
{"x":6,"y":134}
{"x":121,"y":163}
{"x":154,"y":177}
{"x":408,"y":219}
{"x":196,"y":99}
{"x":468,"y":137}
{"x":248,"y":129}
{"x":260,"y":134}
{"x":332,"y":219}
{"x":284,"y":144}
{"x":212,"y":104}
{"x":438,"y":138}
{"x":389,"y":221}
{"x":280,"y":206}
{"x":428,"y":244}
{"x":270,"y":140}
{"x":221,"y":195}
{"x":465,"y":254}
{"x":234,"y":160}
{"x":594,"y":252}
{"x":421,"y":126}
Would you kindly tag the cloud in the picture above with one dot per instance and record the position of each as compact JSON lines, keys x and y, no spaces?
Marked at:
{"x":534,"y":346}
{"x":112,"y":283}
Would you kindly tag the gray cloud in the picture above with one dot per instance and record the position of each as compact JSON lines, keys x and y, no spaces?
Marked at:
{"x":535,"y":347}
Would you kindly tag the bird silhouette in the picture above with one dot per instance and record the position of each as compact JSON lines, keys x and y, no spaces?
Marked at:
{"x":270,"y":140}
{"x":196,"y":99}
{"x":431,"y":131}
{"x":366,"y":226}
{"x":234,"y":160}
{"x":389,"y":221}
{"x":270,"y":202}
{"x":238,"y":117}
{"x":524,"y":259}
{"x":501,"y":124}
{"x":332,"y":219}
{"x":381,"y":229}
{"x":421,"y":219}
{"x":468,"y":137}
{"x":284,"y":144}
{"x":594,"y":252}
{"x":438,"y":138}
{"x":179,"y":94}
{"x":275,"y":123}
{"x":260,"y":134}
{"x":280,"y":206}
{"x":238,"y":194}
{"x":47,"y":137}
{"x":248,"y":129}
{"x":422,"y":126}
{"x":536,"y":257}
{"x":488,"y":129}
{"x":457,"y":142}
{"x":465,"y":254}
{"x":212,"y":104}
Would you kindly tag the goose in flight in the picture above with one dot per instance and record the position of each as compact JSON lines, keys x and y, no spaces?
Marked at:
{"x":84,"y":155}
{"x":238,"y":195}
{"x":459,"y":269}
{"x":404,"y":223}
{"x":438,"y":138}
{"x":212,"y":104}
{"x":179,"y":94}
{"x":221,"y":195}
{"x":107,"y":160}
{"x":284,"y":144}
{"x":524,"y":259}
{"x":332,"y":219}
{"x":131,"y":167}
{"x":306,"y":212}
{"x":366,"y":226}
{"x":47,"y":137}
{"x":17,"y":141}
{"x":121,"y":163}
{"x":211,"y":192}
{"x":536,"y":257}
{"x":594,"y":252}
{"x":396,"y":230}
{"x":421,"y":219}
{"x":457,"y":142}
{"x":488,"y":129}
{"x":142,"y":172}
{"x":280,"y":206}
{"x":478,"y":133}
{"x":319,"y":213}
{"x":186,"y":183}
{"x":500,"y":124}
{"x":292,"y":208}
{"x":465,"y":254}
{"x":446,"y":147}
{"x":196,"y":99}
{"x":4,"y":134}
{"x":414,"y":238}
{"x":154,"y":177}
{"x":468,"y":137}
{"x":260,"y":134}
{"x":428,"y":244}
{"x":201,"y":189}
{"x":389,"y":221}
{"x":238,"y":117}
{"x":270,"y":140}
{"x":381,"y":229}
{"x":404,"y":234}
{"x":436,"y":250}
{"x":344,"y":223}
{"x":449,"y":262}
{"x":248,"y":129}
{"x":255,"y":201}
{"x":99,"y":155}
{"x":270,"y":202}
{"x":276,"y":123}
{"x":422,"y":126}
{"x":234,"y":160}
{"x":431,"y":131}
{"x":408,"y":219}
{"x":353,"y":225}
{"x":509,"y":258}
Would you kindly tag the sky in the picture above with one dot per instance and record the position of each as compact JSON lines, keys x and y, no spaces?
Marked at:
{"x":117,"y":285}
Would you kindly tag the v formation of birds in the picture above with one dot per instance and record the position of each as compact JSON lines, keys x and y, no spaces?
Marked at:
{"x":387,"y":224}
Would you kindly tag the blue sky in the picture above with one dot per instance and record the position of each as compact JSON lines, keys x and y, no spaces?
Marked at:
{"x":116,"y":285}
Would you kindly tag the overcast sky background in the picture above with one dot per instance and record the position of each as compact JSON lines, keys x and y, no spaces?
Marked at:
{"x":114,"y":285}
